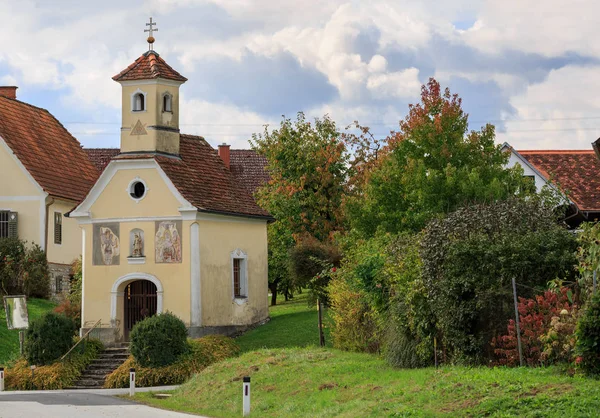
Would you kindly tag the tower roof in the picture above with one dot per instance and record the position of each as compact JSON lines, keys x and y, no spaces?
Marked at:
{"x":149,"y":66}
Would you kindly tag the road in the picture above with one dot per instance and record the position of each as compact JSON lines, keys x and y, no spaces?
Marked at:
{"x":77,"y":404}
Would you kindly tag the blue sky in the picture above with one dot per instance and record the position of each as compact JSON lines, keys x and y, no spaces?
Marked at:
{"x":530,"y":68}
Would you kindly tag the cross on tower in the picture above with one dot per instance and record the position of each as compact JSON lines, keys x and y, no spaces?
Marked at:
{"x":150,"y":37}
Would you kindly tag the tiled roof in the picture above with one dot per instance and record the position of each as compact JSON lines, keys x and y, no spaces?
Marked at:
{"x":576,"y":172}
{"x":201,"y":177}
{"x":148,"y":66}
{"x":249,"y":168}
{"x":100,"y":157}
{"x":52,"y":156}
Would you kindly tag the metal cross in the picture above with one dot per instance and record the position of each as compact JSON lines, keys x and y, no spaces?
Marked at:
{"x":150,"y":37}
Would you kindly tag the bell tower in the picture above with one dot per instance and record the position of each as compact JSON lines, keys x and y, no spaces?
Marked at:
{"x":150,"y":103}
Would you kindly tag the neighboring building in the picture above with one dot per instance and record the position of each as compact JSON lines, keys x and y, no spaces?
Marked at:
{"x":575,"y":172}
{"x":44,"y":174}
{"x":167,"y":226}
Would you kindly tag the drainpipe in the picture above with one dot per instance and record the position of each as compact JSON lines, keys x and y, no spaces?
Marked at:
{"x":47,"y":223}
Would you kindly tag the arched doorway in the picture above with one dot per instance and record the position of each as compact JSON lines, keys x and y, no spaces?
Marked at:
{"x":140,"y":301}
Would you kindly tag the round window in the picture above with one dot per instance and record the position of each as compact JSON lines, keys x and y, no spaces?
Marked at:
{"x":137,"y":190}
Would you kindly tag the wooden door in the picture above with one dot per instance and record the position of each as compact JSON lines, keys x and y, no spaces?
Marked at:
{"x":139,"y":303}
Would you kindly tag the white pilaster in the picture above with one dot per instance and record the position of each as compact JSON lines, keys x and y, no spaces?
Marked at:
{"x":195,"y":300}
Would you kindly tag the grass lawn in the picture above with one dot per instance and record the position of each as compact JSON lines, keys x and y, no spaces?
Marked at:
{"x":293,"y":378}
{"x":292,"y":324}
{"x":9,"y":339}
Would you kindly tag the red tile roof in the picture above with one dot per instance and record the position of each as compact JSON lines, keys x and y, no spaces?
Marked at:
{"x":100,"y":157}
{"x":249,"y":167}
{"x":202,"y":178}
{"x":576,"y":172}
{"x":52,"y":156}
{"x":149,"y":66}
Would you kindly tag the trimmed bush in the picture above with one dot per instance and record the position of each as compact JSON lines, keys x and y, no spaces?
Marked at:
{"x":588,"y":338}
{"x":48,"y":338}
{"x":58,"y":375}
{"x":36,"y":281}
{"x":202,"y":353}
{"x":159,"y":340}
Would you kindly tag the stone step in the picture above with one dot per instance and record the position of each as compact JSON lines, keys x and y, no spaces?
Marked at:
{"x":120,"y":357}
{"x":107,"y":367}
{"x":90,"y":383}
{"x":97,"y":372}
{"x":107,"y":361}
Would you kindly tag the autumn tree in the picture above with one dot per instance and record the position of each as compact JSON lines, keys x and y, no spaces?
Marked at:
{"x":307,"y":163}
{"x":432,"y":165}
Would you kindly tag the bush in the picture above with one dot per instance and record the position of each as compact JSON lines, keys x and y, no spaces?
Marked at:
{"x":58,"y":375}
{"x":203,"y":352}
{"x":48,"y":338}
{"x":560,"y":340}
{"x":159,"y":340}
{"x":36,"y":281}
{"x":71,"y":311}
{"x":12,"y":253}
{"x":75,"y":286}
{"x":469,"y":259}
{"x":535,"y":319}
{"x":588,"y":338}
{"x":357,"y":326}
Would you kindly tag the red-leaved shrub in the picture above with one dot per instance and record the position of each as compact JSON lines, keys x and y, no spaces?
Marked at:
{"x":535,"y":316}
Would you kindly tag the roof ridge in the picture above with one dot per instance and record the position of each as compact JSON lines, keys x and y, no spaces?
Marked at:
{"x":566,"y":151}
{"x":26,"y":104}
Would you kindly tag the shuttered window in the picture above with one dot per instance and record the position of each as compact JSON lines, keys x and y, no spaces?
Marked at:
{"x":8,"y":224}
{"x":57,"y":228}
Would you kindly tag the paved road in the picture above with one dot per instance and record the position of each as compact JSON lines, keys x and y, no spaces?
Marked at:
{"x":77,"y":404}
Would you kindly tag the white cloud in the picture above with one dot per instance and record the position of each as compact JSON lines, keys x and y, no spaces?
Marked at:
{"x":398,"y":84}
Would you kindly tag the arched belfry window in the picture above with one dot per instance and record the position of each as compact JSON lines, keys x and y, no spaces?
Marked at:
{"x":138,"y":101}
{"x":167,"y":102}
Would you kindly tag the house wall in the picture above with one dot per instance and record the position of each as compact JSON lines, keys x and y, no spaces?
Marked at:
{"x":70,"y":248}
{"x":19,"y":193}
{"x":527,"y":171}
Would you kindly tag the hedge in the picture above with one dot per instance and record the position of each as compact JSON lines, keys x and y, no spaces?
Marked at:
{"x":58,"y":375}
{"x":202,"y":353}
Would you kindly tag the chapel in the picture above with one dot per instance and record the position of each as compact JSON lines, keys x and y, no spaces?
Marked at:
{"x":167,"y":226}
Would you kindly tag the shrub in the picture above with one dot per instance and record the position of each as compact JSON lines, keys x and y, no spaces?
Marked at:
{"x":58,"y":375}
{"x":35,"y":275}
{"x":12,"y":252}
{"x":560,"y":340}
{"x":588,"y":338}
{"x":71,"y":311}
{"x":535,"y":318}
{"x":48,"y":338}
{"x":357,"y":326}
{"x":469,"y":259}
{"x":75,"y":285}
{"x":158,"y":340}
{"x":203,"y":352}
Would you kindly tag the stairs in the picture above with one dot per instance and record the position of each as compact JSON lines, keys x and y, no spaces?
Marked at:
{"x":94,"y":375}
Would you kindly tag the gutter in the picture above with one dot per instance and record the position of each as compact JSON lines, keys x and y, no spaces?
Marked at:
{"x":47,"y":222}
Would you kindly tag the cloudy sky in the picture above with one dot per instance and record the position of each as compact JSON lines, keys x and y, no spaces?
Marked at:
{"x":532,"y":68}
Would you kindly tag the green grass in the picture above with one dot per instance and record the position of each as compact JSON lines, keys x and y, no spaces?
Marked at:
{"x":9,"y":339}
{"x":292,"y":324}
{"x":293,"y":378}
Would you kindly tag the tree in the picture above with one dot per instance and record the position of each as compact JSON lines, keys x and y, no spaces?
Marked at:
{"x":307,"y":166}
{"x":432,"y":165}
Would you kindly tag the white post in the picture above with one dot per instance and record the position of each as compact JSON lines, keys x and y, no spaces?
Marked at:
{"x":246,"y":396}
{"x":131,"y":381}
{"x":1,"y":379}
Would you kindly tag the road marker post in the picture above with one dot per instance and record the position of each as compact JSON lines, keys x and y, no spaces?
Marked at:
{"x":246,"y":395}
{"x":131,"y":381}
{"x":1,"y":379}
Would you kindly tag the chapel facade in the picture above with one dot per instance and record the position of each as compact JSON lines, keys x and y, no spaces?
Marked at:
{"x":167,"y":226}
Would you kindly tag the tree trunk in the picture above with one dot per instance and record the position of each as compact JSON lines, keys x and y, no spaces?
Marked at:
{"x":273,"y":289}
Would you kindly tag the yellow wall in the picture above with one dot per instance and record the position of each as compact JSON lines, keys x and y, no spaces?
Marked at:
{"x":217,"y":241}
{"x":152,"y":116}
{"x":115,"y":202}
{"x":70,"y":248}
{"x":19,"y":193}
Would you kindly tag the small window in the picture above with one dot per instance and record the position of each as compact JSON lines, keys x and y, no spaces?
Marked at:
{"x":239,"y":274}
{"x":139,"y":102}
{"x":138,"y":190}
{"x":8,"y":224}
{"x":58,"y":284}
{"x":167,"y":100}
{"x":57,"y":228}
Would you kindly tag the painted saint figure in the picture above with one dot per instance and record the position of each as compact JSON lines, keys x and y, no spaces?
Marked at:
{"x":109,"y":244}
{"x":168,"y":243}
{"x":138,"y":245}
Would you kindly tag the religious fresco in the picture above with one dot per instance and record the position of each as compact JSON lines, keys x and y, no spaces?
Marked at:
{"x":107,"y":245}
{"x":168,"y":242}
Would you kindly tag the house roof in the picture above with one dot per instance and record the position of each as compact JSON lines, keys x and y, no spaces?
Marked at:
{"x":249,"y":167}
{"x":52,"y":156}
{"x":149,"y":66}
{"x":100,"y":157}
{"x":202,"y":178}
{"x":577,"y":173}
